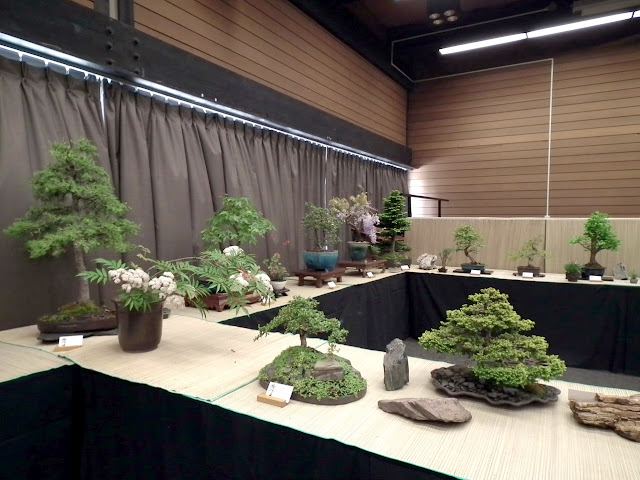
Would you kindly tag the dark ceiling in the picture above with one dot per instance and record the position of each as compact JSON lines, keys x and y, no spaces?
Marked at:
{"x":402,"y":37}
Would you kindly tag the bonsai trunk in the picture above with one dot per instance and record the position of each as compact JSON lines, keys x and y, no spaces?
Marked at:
{"x":83,"y":287}
{"x":393,"y":244}
{"x":468,"y":254}
{"x":303,"y":338}
{"x":592,"y":258}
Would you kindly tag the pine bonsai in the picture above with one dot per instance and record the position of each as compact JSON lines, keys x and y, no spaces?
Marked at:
{"x":77,"y":210}
{"x":489,"y":331}
{"x":393,"y":218}
{"x":468,"y":241}
{"x":237,"y":223}
{"x":598,"y":235}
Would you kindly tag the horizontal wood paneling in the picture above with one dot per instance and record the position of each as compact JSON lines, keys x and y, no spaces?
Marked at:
{"x":84,"y":3}
{"x":481,"y":140}
{"x":275,"y":44}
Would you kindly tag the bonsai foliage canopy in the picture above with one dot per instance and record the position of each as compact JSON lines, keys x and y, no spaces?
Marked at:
{"x":598,"y":235}
{"x":301,"y":316}
{"x":237,"y":223}
{"x":530,"y":251}
{"x":393,"y":218}
{"x":77,"y":208}
{"x":490,"y":332}
{"x":467,"y":240}
{"x":322,"y":226}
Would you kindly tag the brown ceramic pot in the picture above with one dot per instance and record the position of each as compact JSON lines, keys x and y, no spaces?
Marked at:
{"x":139,"y":331}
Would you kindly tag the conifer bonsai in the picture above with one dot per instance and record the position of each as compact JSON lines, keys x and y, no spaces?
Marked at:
{"x":77,"y":210}
{"x":489,"y":332}
{"x":395,"y":224}
{"x":468,"y":241}
{"x":316,"y":377}
{"x":598,"y":235}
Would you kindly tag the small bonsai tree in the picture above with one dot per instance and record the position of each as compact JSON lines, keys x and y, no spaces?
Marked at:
{"x":77,"y":210}
{"x":322,"y":226}
{"x":445,"y":255}
{"x":598,"y":235}
{"x":488,"y":330}
{"x":237,"y":223}
{"x":301,"y":316}
{"x":529,"y":251}
{"x":393,"y":219}
{"x":468,"y":241}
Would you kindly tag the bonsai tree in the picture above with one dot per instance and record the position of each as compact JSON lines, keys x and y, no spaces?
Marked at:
{"x":322,"y":226}
{"x":393,"y":218}
{"x":489,"y":331}
{"x":77,"y":211}
{"x":529,"y":251}
{"x":359,"y":215}
{"x":598,"y":235}
{"x":301,"y":316}
{"x":445,"y":256}
{"x":237,"y":223}
{"x":468,"y":241}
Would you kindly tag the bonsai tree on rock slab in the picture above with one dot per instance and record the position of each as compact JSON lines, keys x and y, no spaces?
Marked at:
{"x":598,"y":235}
{"x":506,"y":363}
{"x":316,"y":377}
{"x":78,"y":211}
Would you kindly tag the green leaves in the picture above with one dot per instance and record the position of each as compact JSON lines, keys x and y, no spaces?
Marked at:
{"x":322,"y":225}
{"x":467,"y":240}
{"x":393,"y":218}
{"x":598,"y":235}
{"x":529,"y":251}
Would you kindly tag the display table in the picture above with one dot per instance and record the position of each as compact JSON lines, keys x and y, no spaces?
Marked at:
{"x":320,"y":276}
{"x":364,"y":266}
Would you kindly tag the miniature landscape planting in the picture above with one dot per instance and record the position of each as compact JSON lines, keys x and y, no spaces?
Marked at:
{"x":505,"y":364}
{"x":316,"y":377}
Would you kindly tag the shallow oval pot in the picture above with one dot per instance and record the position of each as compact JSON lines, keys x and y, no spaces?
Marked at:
{"x":534,"y":270}
{"x":467,"y":267}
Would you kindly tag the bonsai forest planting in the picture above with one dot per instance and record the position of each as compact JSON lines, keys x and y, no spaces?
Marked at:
{"x":505,"y":363}
{"x":77,"y":211}
{"x":316,"y":377}
{"x":598,"y":235}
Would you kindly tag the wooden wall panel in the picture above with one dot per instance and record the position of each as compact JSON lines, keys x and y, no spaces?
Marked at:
{"x":481,"y":140}
{"x":84,"y":3}
{"x":275,"y":44}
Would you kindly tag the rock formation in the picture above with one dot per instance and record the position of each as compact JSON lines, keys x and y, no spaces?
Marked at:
{"x":427,"y":261}
{"x":396,"y":365}
{"x":622,"y":414}
{"x":447,"y":410}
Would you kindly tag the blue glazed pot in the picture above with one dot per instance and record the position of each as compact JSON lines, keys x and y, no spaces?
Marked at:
{"x":324,"y":261}
{"x":358,"y":251}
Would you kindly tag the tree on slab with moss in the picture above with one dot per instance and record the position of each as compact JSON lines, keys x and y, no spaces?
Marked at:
{"x":489,"y":331}
{"x":598,"y":235}
{"x":301,"y":316}
{"x":77,"y":210}
{"x":393,"y":218}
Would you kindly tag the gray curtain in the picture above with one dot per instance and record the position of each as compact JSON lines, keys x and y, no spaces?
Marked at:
{"x":37,"y":108}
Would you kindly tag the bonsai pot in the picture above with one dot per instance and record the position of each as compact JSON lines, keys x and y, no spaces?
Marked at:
{"x":139,"y":331}
{"x":398,"y":263}
{"x":278,"y":284}
{"x":633,"y":280}
{"x":81,"y":324}
{"x":218,"y":301}
{"x":534,"y":270}
{"x":323,"y":260}
{"x":573,"y":277}
{"x":587,"y":271}
{"x":443,"y":269}
{"x":467,"y":267}
{"x":358,"y":251}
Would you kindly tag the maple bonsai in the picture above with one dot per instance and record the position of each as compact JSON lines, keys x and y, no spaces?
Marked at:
{"x":77,"y":210}
{"x":598,"y":235}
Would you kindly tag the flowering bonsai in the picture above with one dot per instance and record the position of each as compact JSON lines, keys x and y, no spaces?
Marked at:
{"x":77,"y":211}
{"x":598,"y":235}
{"x":529,"y":252}
{"x":237,"y":223}
{"x":316,"y":377}
{"x":489,"y":332}
{"x":275,"y":269}
{"x":359,"y":215}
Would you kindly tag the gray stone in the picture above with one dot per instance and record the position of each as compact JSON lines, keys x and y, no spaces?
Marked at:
{"x":620,"y":272}
{"x":328,"y":369}
{"x":447,"y":410}
{"x":427,"y":261}
{"x":396,"y":365}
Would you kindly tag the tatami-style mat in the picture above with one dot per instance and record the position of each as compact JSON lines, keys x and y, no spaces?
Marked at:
{"x":18,"y":361}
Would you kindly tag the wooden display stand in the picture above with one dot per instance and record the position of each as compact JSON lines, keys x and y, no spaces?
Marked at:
{"x":320,"y":276}
{"x":363,"y":266}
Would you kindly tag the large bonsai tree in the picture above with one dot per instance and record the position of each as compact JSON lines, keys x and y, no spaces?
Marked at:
{"x":322,"y":226}
{"x":301,"y":316}
{"x":393,"y":218}
{"x":598,"y":235}
{"x":468,"y":241}
{"x":237,"y":223}
{"x":489,"y":331}
{"x":77,"y":210}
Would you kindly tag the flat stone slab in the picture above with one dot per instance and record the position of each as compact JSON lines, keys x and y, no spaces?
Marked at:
{"x":622,"y":414}
{"x":446,"y":410}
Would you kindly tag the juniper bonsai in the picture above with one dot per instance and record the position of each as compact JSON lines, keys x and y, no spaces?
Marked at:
{"x":489,"y":331}
{"x":393,"y":218}
{"x":77,"y":210}
{"x":598,"y":235}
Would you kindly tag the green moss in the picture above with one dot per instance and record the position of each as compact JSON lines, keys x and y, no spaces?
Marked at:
{"x":74,"y":310}
{"x":294,"y":366}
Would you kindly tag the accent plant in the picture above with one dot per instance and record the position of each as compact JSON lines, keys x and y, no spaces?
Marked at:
{"x":275,"y":269}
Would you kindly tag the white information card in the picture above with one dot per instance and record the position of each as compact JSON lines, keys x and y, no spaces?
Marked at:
{"x":527,"y":274}
{"x":595,"y":278}
{"x":370,"y":274}
{"x":279,"y":390}
{"x":331,"y":284}
{"x":476,"y":272}
{"x":70,"y":341}
{"x":404,"y":267}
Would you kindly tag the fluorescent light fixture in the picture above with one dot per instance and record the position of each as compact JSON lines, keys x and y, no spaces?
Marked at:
{"x":483,"y":43}
{"x":578,"y":25}
{"x":636,"y":14}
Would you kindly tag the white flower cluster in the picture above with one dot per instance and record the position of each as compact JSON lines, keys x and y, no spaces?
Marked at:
{"x":130,"y":278}
{"x":240,"y":278}
{"x":233,"y":250}
{"x":264,"y":278}
{"x":165,"y":284}
{"x":174,"y":301}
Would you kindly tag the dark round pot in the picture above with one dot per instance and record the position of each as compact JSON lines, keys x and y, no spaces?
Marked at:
{"x":139,"y":331}
{"x":592,"y":271}
{"x":534,"y":270}
{"x":358,"y":251}
{"x":572,"y":277}
{"x":467,"y":267}
{"x":443,"y":269}
{"x":324,"y":260}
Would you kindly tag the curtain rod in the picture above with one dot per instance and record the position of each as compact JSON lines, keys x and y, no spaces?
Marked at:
{"x":9,"y":43}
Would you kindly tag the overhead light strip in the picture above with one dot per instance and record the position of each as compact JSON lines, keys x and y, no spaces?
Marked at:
{"x":540,"y":33}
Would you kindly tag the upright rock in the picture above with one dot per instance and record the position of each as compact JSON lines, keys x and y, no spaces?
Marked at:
{"x":620,"y":271}
{"x":447,"y":410}
{"x":396,"y":365}
{"x":427,"y":261}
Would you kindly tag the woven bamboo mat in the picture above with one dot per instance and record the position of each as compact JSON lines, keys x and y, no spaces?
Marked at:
{"x":18,"y":361}
{"x":535,"y":442}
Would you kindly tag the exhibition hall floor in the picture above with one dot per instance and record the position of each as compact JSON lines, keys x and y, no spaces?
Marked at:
{"x":218,"y":364}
